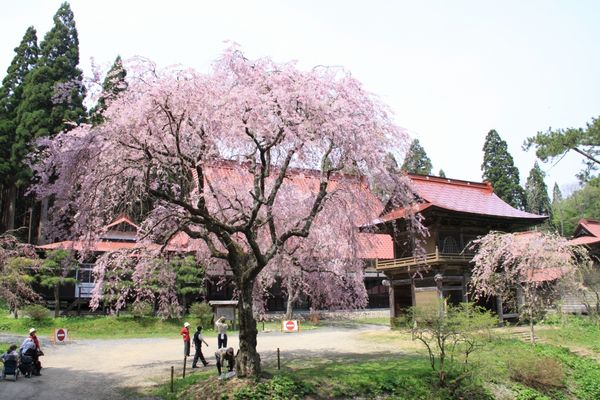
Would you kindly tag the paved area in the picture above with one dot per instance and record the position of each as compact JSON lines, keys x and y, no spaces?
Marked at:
{"x":114,"y":369}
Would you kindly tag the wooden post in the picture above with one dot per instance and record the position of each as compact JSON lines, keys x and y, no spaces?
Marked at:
{"x":278,"y":360}
{"x":79,"y":301}
{"x":184,"y":364}
{"x":172,"y":377}
{"x":499,"y":310}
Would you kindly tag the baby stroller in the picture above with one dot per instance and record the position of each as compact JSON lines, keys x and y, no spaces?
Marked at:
{"x":27,"y":365}
{"x":10,"y":368}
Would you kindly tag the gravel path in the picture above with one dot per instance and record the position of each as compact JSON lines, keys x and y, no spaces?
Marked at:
{"x":117,"y":369}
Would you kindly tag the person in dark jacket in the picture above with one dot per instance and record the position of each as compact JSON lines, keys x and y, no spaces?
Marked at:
{"x":198,"y":339}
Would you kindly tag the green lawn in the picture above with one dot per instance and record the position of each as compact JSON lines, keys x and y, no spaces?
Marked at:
{"x":112,"y":327}
{"x":501,"y":369}
{"x":577,"y":331}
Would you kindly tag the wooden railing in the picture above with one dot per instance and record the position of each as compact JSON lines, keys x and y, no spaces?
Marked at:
{"x":427,"y":259}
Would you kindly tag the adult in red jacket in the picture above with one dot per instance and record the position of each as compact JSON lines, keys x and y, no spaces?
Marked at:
{"x":185,"y":332}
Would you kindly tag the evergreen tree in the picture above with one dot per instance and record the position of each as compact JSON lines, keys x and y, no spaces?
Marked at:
{"x":53,"y":91}
{"x":556,"y":194}
{"x":536,"y":190}
{"x":441,"y":174}
{"x":52,"y":101}
{"x":557,"y":210}
{"x":499,"y":169}
{"x":113,"y":84}
{"x":11,"y":95}
{"x":417,"y":161}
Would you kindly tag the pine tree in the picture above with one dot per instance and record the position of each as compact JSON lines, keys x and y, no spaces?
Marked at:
{"x":417,"y":161}
{"x":11,"y":95}
{"x":536,"y":190}
{"x":499,"y":169}
{"x":441,"y":174}
{"x":113,"y":84}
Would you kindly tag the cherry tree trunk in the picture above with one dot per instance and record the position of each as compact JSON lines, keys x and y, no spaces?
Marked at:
{"x":248,"y":359}
{"x":289,"y":312}
{"x":531,"y":330}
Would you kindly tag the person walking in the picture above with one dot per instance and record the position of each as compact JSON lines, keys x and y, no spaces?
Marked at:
{"x":198,"y":339}
{"x":221,"y":326}
{"x":185,"y":332}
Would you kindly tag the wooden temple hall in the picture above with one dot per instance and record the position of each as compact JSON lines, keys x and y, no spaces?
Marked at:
{"x":455,"y":212}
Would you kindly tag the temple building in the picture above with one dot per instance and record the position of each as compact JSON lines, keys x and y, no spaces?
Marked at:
{"x":455,"y":212}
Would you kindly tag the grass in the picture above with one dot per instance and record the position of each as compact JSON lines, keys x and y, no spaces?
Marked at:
{"x":112,"y":327}
{"x":408,"y":378}
{"x":491,"y":375}
{"x":577,"y":331}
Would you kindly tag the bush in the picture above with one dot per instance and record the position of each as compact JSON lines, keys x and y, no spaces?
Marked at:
{"x":203,"y":312}
{"x":278,"y":388}
{"x":142,"y":309}
{"x":36,"y":312}
{"x":541,"y":373}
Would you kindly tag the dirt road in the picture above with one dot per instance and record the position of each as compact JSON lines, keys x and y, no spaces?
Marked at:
{"x":117,"y":369}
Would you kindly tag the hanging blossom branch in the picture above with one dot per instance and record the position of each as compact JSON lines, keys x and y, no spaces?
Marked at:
{"x":242,"y":160}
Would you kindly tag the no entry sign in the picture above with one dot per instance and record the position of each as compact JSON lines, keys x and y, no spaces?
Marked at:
{"x":60,"y":335}
{"x":290,"y":326}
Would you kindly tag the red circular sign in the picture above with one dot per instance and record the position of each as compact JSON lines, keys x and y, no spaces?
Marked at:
{"x":60,"y":335}
{"x":290,"y":325}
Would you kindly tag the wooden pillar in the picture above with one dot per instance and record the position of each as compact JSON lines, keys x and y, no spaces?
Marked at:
{"x":465,"y":288}
{"x":392,"y":300}
{"x":413,"y":292}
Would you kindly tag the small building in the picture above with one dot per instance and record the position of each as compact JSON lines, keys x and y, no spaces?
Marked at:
{"x":455,"y":212}
{"x":121,"y":234}
{"x":587,"y":233}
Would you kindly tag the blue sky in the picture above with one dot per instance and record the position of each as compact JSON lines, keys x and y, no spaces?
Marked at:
{"x":450,"y":70}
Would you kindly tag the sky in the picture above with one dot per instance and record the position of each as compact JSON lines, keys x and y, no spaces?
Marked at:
{"x":449,"y":70}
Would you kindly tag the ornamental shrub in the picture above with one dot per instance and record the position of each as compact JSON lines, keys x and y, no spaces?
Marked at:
{"x":202,"y":311}
{"x":36,"y":312}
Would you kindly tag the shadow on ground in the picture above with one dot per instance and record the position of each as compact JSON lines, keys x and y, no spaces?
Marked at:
{"x":63,"y":384}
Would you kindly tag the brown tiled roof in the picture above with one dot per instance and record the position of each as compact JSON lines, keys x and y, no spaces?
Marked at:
{"x":460,"y":196}
{"x":301,"y":181}
{"x":586,"y":233}
{"x":79,"y":245}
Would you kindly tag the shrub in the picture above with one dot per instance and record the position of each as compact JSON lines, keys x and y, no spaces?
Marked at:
{"x":36,"y":312}
{"x":541,"y":373}
{"x":447,"y":331}
{"x":278,"y":388}
{"x":203,"y":312}
{"x":142,"y":309}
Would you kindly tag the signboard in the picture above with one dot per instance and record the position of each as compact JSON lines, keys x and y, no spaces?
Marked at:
{"x":290,"y":326}
{"x":60,"y":335}
{"x":227,"y":312}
